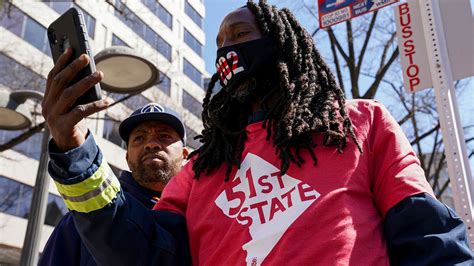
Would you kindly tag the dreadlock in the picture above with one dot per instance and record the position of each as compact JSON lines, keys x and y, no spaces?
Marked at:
{"x":308,"y":100}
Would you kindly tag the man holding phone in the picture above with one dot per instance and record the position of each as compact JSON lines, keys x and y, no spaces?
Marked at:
{"x":289,"y":171}
{"x":155,"y":138}
{"x":65,"y":120}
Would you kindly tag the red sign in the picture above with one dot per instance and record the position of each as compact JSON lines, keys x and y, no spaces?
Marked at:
{"x":335,"y":11}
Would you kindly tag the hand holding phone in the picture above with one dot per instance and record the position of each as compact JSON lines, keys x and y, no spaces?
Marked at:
{"x":70,"y":31}
{"x":72,"y":92}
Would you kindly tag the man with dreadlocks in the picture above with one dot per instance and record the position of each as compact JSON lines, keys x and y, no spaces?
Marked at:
{"x":288,"y":173}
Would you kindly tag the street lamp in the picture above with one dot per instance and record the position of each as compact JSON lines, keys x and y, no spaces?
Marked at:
{"x":125,"y":71}
{"x":15,"y":115}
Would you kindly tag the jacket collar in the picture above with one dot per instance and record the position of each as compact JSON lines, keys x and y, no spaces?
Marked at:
{"x":146,"y":196}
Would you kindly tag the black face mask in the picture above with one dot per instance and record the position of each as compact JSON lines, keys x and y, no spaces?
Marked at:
{"x":252,"y":59}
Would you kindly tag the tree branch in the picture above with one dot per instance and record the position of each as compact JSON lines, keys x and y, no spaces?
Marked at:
{"x":438,"y":170}
{"x":424,"y":135}
{"x":415,"y":131}
{"x":351,"y":63}
{"x":433,"y":153}
{"x":407,"y":117}
{"x":366,"y":42}
{"x":380,"y":74}
{"x":333,"y":38}
{"x":338,"y":67}
{"x":441,"y":191}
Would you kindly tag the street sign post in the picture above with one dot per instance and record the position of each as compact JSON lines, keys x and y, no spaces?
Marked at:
{"x":432,"y":59}
{"x":458,"y":28}
{"x":436,"y":44}
{"x":332,"y":12}
{"x":453,"y":136}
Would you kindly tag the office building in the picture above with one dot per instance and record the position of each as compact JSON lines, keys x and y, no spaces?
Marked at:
{"x":167,"y":32}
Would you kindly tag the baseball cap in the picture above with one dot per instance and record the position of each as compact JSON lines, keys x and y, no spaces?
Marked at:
{"x":152,"y":112}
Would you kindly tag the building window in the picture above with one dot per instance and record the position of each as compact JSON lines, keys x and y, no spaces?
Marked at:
{"x":160,"y":12}
{"x":16,"y":197}
{"x":144,"y":31}
{"x":165,"y":16}
{"x":133,"y":103}
{"x":16,"y":200}
{"x":12,"y":21}
{"x":163,"y":47}
{"x":35,"y":34}
{"x":165,"y":84}
{"x":59,"y":6}
{"x":90,"y":22}
{"x":117,"y":171}
{"x":28,"y":147}
{"x":117,"y":41}
{"x":193,"y":14}
{"x":192,"y":72}
{"x":192,"y":42}
{"x":26,"y":28}
{"x":111,"y":131}
{"x":62,"y":6}
{"x":55,"y":210}
{"x":192,"y":104}
{"x":18,"y":77}
{"x":190,"y":141}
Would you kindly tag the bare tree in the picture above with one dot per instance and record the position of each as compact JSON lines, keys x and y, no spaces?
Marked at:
{"x":365,"y":59}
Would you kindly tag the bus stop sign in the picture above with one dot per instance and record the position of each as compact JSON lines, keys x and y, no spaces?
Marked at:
{"x":332,"y":12}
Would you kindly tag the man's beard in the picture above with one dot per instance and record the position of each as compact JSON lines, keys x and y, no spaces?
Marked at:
{"x":146,"y":174}
{"x":253,"y":88}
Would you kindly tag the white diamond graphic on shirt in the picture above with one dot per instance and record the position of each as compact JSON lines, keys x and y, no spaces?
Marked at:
{"x":268,"y":203}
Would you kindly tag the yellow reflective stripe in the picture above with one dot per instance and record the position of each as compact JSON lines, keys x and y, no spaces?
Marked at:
{"x":93,"y":193}
{"x":78,"y":189}
{"x":97,"y":202}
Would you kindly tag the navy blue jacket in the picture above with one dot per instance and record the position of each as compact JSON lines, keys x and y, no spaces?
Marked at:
{"x":64,"y":246}
{"x":419,"y":230}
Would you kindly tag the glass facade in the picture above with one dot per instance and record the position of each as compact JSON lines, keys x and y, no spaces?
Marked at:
{"x":28,"y":147}
{"x":192,"y":42}
{"x":90,"y":23}
{"x":160,"y":12}
{"x":191,"y":142}
{"x":62,"y":6}
{"x":26,"y":28}
{"x":165,"y":85}
{"x":117,"y":41}
{"x":192,"y":72}
{"x":193,"y":14}
{"x":133,"y":102}
{"x":19,"y":77}
{"x":16,"y":201}
{"x":111,"y":131}
{"x":144,"y":31}
{"x":192,"y":104}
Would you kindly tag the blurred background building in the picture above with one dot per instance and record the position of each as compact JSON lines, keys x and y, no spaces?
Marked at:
{"x":167,"y":32}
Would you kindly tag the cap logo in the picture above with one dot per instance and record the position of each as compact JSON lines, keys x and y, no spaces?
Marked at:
{"x":152,"y":108}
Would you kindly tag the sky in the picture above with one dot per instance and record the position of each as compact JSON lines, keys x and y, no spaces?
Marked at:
{"x":215,"y":12}
{"x":217,"y":9}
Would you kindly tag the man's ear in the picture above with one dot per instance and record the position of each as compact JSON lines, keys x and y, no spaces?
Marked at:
{"x":185,"y":153}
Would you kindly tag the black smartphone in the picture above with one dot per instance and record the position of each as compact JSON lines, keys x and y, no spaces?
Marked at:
{"x":70,"y":31}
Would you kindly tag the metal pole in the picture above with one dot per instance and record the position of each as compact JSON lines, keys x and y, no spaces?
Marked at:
{"x":453,"y":136}
{"x":39,"y":200}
